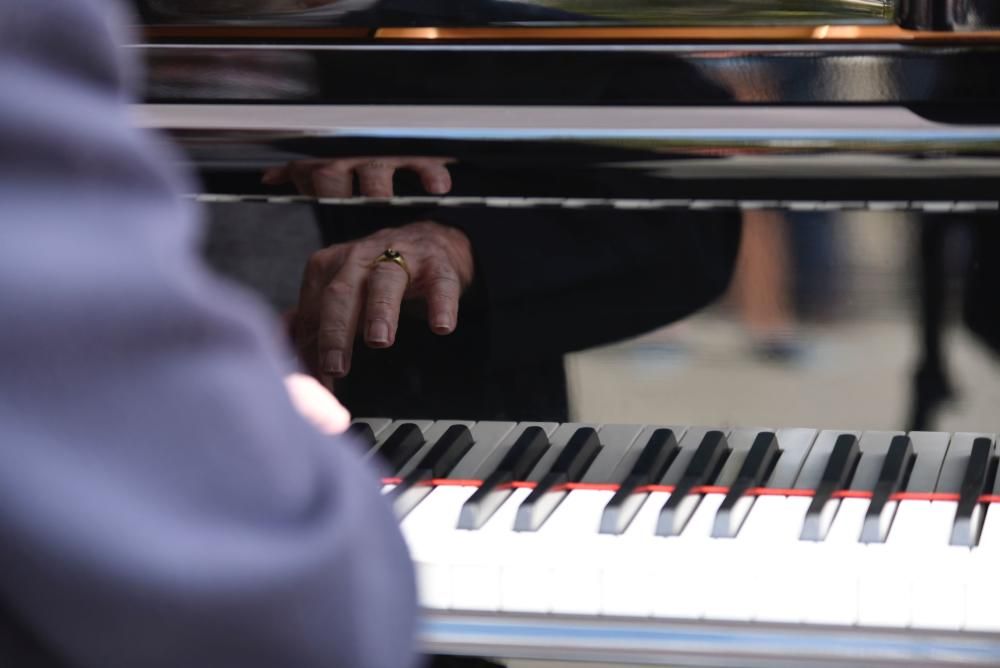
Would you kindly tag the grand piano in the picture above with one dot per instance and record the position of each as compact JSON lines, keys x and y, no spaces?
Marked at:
{"x":655,"y":542}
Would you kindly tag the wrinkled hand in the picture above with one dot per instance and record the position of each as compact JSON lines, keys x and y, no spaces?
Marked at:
{"x":315,"y":403}
{"x":335,"y":177}
{"x":345,"y":294}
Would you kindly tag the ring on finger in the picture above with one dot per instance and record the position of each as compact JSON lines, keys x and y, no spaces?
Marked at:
{"x":393,"y":255}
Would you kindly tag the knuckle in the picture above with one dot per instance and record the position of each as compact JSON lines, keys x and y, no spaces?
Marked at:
{"x":339,"y":289}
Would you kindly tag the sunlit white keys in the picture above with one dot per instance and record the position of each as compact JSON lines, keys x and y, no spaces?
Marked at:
{"x":630,"y":588}
{"x":831,"y":597}
{"x":569,"y":547}
{"x":938,"y":589}
{"x":885,"y":593}
{"x":430,"y":534}
{"x":772,"y":555}
{"x":479,"y":556}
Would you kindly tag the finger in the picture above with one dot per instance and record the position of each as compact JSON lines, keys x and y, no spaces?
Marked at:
{"x":340,"y":308}
{"x":316,"y":404}
{"x":375,"y":179}
{"x":321,"y":265}
{"x":273,"y":176}
{"x":434,"y":176}
{"x":386,"y":287}
{"x":302,"y":178}
{"x":443,"y":292}
{"x":333,"y":180}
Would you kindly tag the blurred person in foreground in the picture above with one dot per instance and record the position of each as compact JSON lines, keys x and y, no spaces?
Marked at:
{"x":162,"y":502}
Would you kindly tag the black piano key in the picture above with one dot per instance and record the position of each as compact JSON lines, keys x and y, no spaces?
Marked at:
{"x":965,"y":529}
{"x":759,"y":463}
{"x":516,"y":465}
{"x":570,"y":466}
{"x":652,"y":464}
{"x":401,"y":445}
{"x":702,"y":469}
{"x":443,"y":456}
{"x":892,"y":478}
{"x":362,"y":432}
{"x":836,"y":476}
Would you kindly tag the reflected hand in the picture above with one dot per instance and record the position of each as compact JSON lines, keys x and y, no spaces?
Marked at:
{"x":315,"y":403}
{"x":345,"y":292}
{"x":335,"y":177}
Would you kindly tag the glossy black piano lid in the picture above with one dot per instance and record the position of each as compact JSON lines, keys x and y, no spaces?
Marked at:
{"x":421,"y":13}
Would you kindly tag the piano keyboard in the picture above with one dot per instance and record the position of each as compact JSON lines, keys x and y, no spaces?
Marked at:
{"x":671,"y":524}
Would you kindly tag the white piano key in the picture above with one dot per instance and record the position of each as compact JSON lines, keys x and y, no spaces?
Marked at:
{"x":795,"y":446}
{"x":569,"y":546}
{"x":989,"y":539}
{"x":717,"y":568}
{"x":477,"y":557}
{"x":632,"y":578}
{"x":939,"y":601}
{"x":429,"y":533}
{"x":378,"y":425}
{"x":982,"y":590}
{"x":832,"y":596}
{"x":885,"y":591}
{"x":487,"y":437}
{"x":677,"y":582}
{"x":982,"y":586}
{"x":617,"y":440}
{"x":774,"y":557}
{"x":930,"y":448}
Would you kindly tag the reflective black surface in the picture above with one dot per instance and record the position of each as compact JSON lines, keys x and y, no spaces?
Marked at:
{"x":948,"y":14}
{"x":382,"y":13}
{"x":955,"y":79}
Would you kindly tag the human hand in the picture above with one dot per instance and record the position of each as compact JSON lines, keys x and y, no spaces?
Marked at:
{"x":335,"y":177}
{"x":345,"y":290}
{"x":315,"y":403}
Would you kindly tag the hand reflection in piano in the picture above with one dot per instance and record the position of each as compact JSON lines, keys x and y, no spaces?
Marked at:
{"x":374,"y":174}
{"x":343,"y":291}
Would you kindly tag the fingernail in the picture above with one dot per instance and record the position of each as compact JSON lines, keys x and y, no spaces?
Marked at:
{"x":333,"y":363}
{"x":439,"y":187}
{"x":378,"y":332}
{"x":442,"y":325}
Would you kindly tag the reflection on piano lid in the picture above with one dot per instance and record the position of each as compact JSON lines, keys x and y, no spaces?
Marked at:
{"x":379,"y":13}
{"x":787,"y":547}
{"x":624,"y":157}
{"x":961,"y":15}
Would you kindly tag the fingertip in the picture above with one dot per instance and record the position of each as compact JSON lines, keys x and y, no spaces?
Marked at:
{"x":442,"y":325}
{"x":439,"y":187}
{"x":335,"y":364}
{"x":378,"y":334}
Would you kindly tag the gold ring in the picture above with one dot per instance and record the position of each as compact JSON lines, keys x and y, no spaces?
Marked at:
{"x":393,"y":255}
